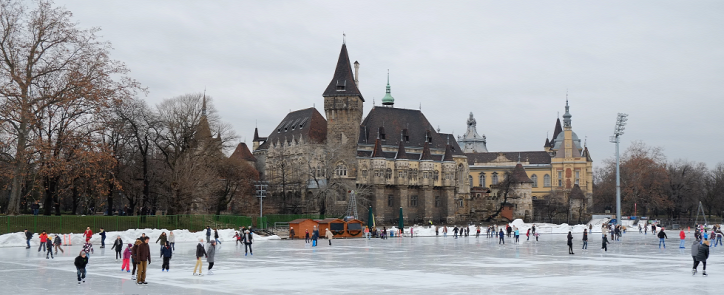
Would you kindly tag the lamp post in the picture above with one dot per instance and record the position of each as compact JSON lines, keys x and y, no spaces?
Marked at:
{"x":617,"y":132}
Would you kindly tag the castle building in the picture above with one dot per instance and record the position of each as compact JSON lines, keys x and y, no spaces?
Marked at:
{"x":392,"y":159}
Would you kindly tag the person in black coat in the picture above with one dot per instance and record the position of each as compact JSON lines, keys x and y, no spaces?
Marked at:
{"x":701,"y":256}
{"x":166,"y":254}
{"x":247,"y":239}
{"x":49,"y":245}
{"x":570,"y":243}
{"x":662,"y":236}
{"x":605,"y":243}
{"x":80,"y":262}
{"x":200,"y":252}
{"x":118,"y":246}
{"x":28,"y":237}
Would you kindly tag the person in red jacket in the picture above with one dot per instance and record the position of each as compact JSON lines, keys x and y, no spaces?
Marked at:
{"x":682,"y":236}
{"x":43,"y":239}
{"x":88,"y":234}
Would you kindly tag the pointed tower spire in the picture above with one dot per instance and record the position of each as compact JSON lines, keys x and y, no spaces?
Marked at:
{"x":343,"y":82}
{"x":388,"y":100}
{"x":401,"y":154}
{"x":203,"y":104}
{"x":567,"y":116}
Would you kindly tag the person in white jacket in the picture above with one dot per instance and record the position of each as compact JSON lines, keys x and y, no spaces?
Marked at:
{"x":329,"y":235}
{"x":172,"y":241}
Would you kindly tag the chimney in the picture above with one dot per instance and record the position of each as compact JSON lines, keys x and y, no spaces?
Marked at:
{"x":356,"y":73}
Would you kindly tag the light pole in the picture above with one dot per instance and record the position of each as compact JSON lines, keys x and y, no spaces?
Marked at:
{"x":261,"y":187}
{"x":617,"y":132}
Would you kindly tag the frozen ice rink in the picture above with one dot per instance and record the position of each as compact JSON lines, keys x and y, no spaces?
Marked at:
{"x":421,"y":265}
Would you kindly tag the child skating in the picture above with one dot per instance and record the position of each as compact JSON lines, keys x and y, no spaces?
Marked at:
{"x":80,"y":263}
{"x":127,"y":259}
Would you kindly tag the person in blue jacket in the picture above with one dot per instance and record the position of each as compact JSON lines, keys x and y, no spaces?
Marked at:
{"x":502,"y":237}
{"x":166,"y":254}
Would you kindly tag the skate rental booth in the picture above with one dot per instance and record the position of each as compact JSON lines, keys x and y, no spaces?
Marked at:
{"x":354,"y":229}
{"x":335,"y":225}
{"x":301,"y":225}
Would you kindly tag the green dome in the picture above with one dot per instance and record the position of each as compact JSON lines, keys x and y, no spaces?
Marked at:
{"x":388,"y":99}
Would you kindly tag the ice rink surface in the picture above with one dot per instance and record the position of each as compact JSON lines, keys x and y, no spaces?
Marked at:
{"x":420,"y":265}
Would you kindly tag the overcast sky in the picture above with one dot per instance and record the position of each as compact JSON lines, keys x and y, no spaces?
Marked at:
{"x":508,"y":62}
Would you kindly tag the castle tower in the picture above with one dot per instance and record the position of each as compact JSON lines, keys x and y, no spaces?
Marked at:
{"x":343,"y":106}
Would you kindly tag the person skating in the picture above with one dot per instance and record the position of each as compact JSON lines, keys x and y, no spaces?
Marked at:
{"x":701,"y":256}
{"x":477,"y":231}
{"x":329,"y":235}
{"x":694,"y":253}
{"x":502,"y":237}
{"x":444,"y":231}
{"x":682,"y":237}
{"x":509,"y":229}
{"x":166,"y":254}
{"x":718,"y":237}
{"x":43,"y":238}
{"x":455,"y":232}
{"x":208,"y":234}
{"x":80,"y":263}
{"x":49,"y":244}
{"x":200,"y":252}
{"x":640,"y":228}
{"x":118,"y":246}
{"x":662,"y":236}
{"x":306,"y":236}
{"x":291,"y":233}
{"x":248,"y":239}
{"x":210,"y":253}
{"x":367,"y":233}
{"x":102,"y":233}
{"x":585,"y":239}
{"x":88,"y":233}
{"x":412,"y":233}
{"x":171,"y":241}
{"x":315,"y":236}
{"x":570,"y":243}
{"x":56,"y":244}
{"x":527,"y":235}
{"x":88,"y":248}
{"x":134,"y":257}
{"x":216,"y":236}
{"x":127,"y":259}
{"x":28,"y":237}
{"x":516,"y":234}
{"x":163,"y":238}
{"x":144,"y":258}
{"x":605,"y":243}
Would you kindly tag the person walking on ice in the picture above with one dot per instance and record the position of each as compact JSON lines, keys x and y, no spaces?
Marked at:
{"x":102,"y":233}
{"x":210,"y":253}
{"x":80,"y":263}
{"x":329,"y":235}
{"x":43,"y":238}
{"x":570,"y":243}
{"x":171,"y":241}
{"x":701,"y":256}
{"x":118,"y":246}
{"x":28,"y":237}
{"x":662,"y":236}
{"x":502,"y":237}
{"x":315,"y":236}
{"x":291,"y":233}
{"x":166,"y":254}
{"x":682,"y":236}
{"x":200,"y":252}
{"x":144,"y":258}
{"x":585,"y":239}
{"x":56,"y":244}
{"x":49,"y":244}
{"x":127,"y":259}
{"x":248,"y":239}
{"x":306,"y":236}
{"x":208,"y":234}
{"x":163,"y":240}
{"x":605,"y":243}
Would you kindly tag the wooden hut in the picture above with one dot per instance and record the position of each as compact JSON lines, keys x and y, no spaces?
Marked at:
{"x":300,"y":227}
{"x":353,"y":229}
{"x":336,"y":225}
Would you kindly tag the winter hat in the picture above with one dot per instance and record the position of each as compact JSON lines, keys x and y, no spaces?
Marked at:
{"x":130,"y":245}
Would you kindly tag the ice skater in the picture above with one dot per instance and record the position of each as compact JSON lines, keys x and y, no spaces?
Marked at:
{"x":134,"y":258}
{"x":444,"y":231}
{"x":367,"y":233}
{"x":477,"y":231}
{"x":210,"y":253}
{"x":56,"y":244}
{"x":516,"y":233}
{"x":694,"y":252}
{"x":585,"y":239}
{"x":682,"y":236}
{"x":502,"y":237}
{"x":248,"y":239}
{"x":306,"y":236}
{"x":208,"y":234}
{"x":291,"y":233}
{"x":28,"y":237}
{"x":455,"y":232}
{"x":662,"y":236}
{"x":527,"y":235}
{"x":166,"y":254}
{"x":102,"y":233}
{"x":163,"y":238}
{"x":200,"y":252}
{"x":127,"y":259}
{"x":329,"y":235}
{"x":80,"y":263}
{"x":118,"y":246}
{"x":570,"y":243}
{"x":701,"y":256}
{"x":171,"y":241}
{"x":315,"y":236}
{"x":718,"y":237}
{"x":605,"y":243}
{"x":88,"y":248}
{"x":49,"y":244}
{"x":144,"y":258}
{"x":216,"y":236}
{"x":43,"y":238}
{"x":88,"y":233}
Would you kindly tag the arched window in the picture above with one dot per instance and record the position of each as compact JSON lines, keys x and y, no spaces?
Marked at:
{"x":341,"y":170}
{"x":388,"y":173}
{"x":534,"y":178}
{"x":470,"y":178}
{"x":495,"y":177}
{"x":481,"y":178}
{"x":547,"y":180}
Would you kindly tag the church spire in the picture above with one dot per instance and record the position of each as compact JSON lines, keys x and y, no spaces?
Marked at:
{"x":567,"y":116}
{"x":388,"y":100}
{"x":343,"y":82}
{"x":203,"y":104}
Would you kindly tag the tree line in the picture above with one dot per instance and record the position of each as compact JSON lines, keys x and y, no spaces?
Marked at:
{"x":653,"y":186}
{"x":76,"y":135}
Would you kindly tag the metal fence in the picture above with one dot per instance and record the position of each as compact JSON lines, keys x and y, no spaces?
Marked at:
{"x":78,"y":224}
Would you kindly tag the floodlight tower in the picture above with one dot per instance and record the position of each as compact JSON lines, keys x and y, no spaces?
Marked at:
{"x":617,"y":132}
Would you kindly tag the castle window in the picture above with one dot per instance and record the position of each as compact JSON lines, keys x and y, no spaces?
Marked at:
{"x":413,"y":201}
{"x":400,"y":174}
{"x":460,"y":203}
{"x":495,"y":178}
{"x":534,"y":178}
{"x":438,"y":202}
{"x":364,"y":173}
{"x":547,"y":180}
{"x":388,"y":173}
{"x":341,"y":85}
{"x":390,"y":199}
{"x":560,"y":178}
{"x":481,"y":179}
{"x":341,"y":170}
{"x":578,"y":175}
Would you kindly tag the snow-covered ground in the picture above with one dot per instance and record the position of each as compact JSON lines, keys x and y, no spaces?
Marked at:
{"x":420,"y":265}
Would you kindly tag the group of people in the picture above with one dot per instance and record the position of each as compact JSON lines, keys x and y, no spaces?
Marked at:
{"x":314,"y":235}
